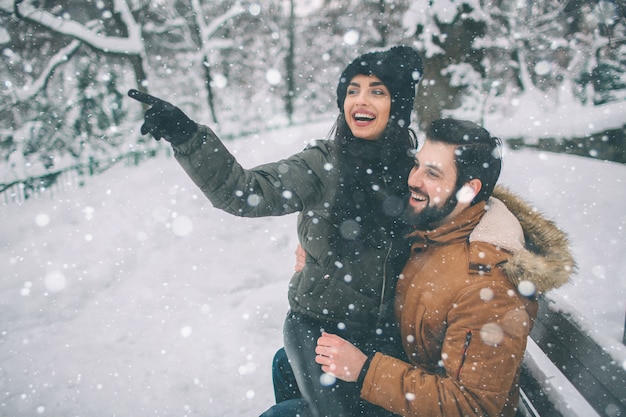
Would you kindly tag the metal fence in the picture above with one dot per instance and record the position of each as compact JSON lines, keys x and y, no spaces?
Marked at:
{"x":54,"y":182}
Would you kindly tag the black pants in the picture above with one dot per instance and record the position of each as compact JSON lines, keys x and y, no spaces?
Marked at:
{"x":285,"y":384}
{"x":323,"y":395}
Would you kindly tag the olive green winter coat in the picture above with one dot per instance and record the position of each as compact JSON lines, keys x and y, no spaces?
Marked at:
{"x":357,"y":292}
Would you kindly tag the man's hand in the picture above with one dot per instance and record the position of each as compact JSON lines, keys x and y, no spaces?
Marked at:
{"x":339,"y":357}
{"x":164,"y":120}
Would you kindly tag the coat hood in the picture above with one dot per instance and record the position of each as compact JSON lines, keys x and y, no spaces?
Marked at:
{"x":545,"y":259}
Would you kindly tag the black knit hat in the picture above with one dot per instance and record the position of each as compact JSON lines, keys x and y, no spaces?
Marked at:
{"x":400,"y":68}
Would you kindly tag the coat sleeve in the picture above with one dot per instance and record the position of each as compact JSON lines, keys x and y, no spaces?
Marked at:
{"x":272,"y":189}
{"x":479,"y":364}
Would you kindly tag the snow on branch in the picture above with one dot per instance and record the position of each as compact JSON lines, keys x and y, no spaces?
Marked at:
{"x":31,"y":90}
{"x":109,"y":44}
{"x":208,"y":30}
{"x":217,"y":22}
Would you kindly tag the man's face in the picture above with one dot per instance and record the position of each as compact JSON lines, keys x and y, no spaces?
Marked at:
{"x":432,"y":185}
{"x":367,"y":107}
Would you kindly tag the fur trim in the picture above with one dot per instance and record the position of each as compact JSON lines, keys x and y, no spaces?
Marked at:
{"x":546,"y":261}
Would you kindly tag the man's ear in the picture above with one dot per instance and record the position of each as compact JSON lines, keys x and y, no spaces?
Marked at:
{"x":469,"y":191}
{"x":475,"y":185}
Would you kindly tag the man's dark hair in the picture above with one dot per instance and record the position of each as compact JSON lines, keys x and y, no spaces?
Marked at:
{"x":477,"y":154}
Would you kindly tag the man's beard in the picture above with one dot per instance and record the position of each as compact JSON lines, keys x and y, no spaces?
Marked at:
{"x":430,"y":214}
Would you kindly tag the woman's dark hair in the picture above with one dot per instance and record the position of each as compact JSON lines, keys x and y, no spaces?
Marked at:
{"x":361,"y":164}
{"x":477,"y":155}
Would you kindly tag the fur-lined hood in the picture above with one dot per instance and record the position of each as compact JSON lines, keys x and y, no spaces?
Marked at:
{"x":541,"y":252}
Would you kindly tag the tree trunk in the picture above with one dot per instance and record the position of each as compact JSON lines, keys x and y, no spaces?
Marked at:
{"x":136,"y":61}
{"x":209,"y":91}
{"x":290,"y":64}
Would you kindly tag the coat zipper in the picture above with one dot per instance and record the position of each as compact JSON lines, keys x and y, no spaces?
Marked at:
{"x":468,"y":339}
{"x":382,"y":292}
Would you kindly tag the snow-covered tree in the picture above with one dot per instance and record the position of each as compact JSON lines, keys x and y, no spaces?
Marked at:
{"x":445,"y":32}
{"x":602,"y":36}
{"x":245,"y":65}
{"x":329,"y":34}
{"x":481,"y":54}
{"x":69,"y":65}
{"x":61,"y":96}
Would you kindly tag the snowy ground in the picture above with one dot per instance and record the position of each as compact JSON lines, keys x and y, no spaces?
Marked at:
{"x":132,"y":296}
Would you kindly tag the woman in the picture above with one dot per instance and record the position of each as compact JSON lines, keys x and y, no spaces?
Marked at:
{"x":349,"y":192}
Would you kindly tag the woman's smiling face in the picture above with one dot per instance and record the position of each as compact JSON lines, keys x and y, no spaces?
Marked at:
{"x":367,"y":106}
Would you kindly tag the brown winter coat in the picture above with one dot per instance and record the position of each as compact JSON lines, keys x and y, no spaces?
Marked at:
{"x":463,"y":320}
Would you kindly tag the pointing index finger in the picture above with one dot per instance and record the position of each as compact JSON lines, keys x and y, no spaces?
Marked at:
{"x":144,"y":98}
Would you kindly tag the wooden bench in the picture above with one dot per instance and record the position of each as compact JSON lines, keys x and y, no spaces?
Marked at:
{"x":594,"y":374}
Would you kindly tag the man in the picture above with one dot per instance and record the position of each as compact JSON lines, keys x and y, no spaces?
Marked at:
{"x":466,"y":298}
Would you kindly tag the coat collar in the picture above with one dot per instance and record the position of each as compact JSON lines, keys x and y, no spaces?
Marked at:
{"x":455,"y":231}
{"x":539,"y":251}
